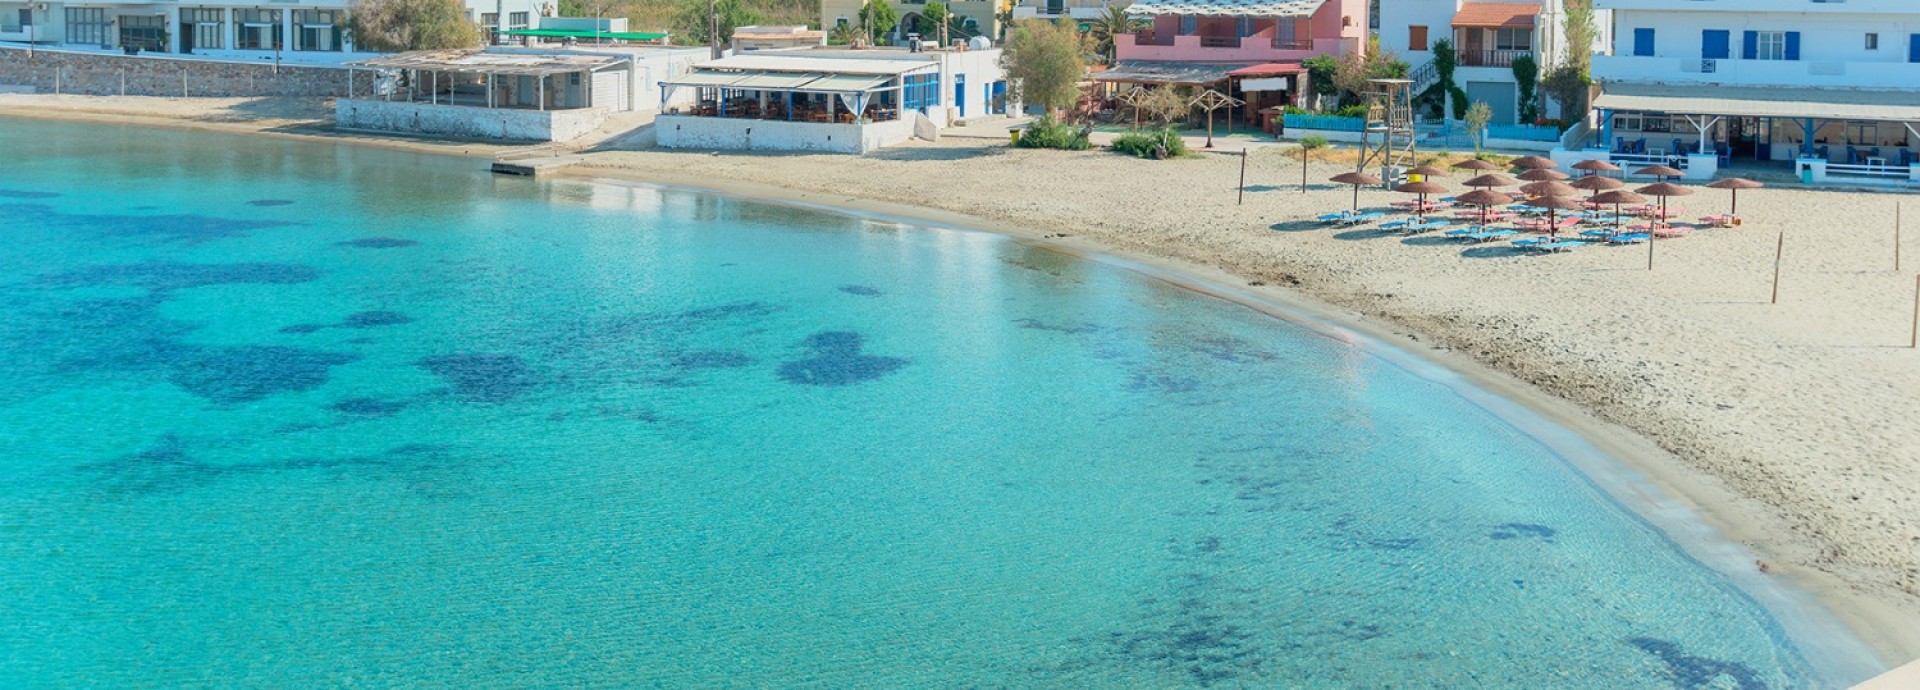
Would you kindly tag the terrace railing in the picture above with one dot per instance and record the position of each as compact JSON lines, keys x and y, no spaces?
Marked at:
{"x":1292,"y":44}
{"x":1326,"y":122}
{"x":1219,"y":41}
{"x":1490,"y":58}
{"x":1149,"y":38}
{"x":1523,"y":133}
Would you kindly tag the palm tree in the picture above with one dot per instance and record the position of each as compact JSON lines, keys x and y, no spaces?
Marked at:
{"x":1107,"y":30}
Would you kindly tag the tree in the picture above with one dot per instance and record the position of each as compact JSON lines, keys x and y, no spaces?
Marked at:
{"x":1581,"y":33}
{"x":878,"y":17}
{"x":1164,"y":104}
{"x":692,"y":22}
{"x":1477,"y":118}
{"x":392,"y":26}
{"x":842,"y":34}
{"x":1320,"y":73}
{"x":936,"y":13}
{"x":1445,"y":61}
{"x":1526,"y":73}
{"x":1044,"y":63}
{"x":1568,"y":86}
{"x":1107,"y":30}
{"x":1356,"y":69}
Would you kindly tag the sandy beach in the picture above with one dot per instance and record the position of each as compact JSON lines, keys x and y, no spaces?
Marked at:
{"x":1792,"y":427}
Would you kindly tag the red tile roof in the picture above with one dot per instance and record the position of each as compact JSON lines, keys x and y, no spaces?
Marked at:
{"x":1485,"y":15}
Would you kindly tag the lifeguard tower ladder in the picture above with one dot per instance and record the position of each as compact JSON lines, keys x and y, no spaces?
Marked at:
{"x":1388,"y":138}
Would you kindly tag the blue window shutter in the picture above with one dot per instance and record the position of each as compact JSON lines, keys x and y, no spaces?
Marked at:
{"x":1643,"y":42}
{"x":1750,"y":45}
{"x":1713,"y":44}
{"x":1913,"y":48}
{"x":1793,"y":45}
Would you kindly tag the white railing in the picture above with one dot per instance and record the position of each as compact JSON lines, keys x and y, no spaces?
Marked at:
{"x":1868,"y":170}
{"x":1734,"y":72}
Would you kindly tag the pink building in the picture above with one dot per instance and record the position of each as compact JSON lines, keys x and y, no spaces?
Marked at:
{"x":1252,"y":48}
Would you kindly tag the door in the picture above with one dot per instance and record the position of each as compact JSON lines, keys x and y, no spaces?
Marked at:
{"x":960,"y":94}
{"x":1500,"y":96}
{"x":186,"y":37}
{"x":610,"y":90}
{"x":1763,"y":138}
{"x":999,"y":96}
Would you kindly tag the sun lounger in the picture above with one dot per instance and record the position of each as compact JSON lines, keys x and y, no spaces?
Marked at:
{"x":1367,"y":217}
{"x":1629,"y":238}
{"x":1722,"y":220}
{"x":1559,"y":246}
{"x":1530,"y":242}
{"x":1671,"y":231}
{"x":1436,"y":224}
{"x":1396,"y":224}
{"x":1491,"y":235}
{"x":1337,"y":217}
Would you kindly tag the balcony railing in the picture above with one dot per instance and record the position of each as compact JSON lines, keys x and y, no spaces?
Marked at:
{"x":1149,"y":38}
{"x":1490,"y":58}
{"x":1219,"y":41}
{"x":1292,"y":44}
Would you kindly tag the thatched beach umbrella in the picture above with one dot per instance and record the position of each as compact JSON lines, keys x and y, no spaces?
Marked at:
{"x":1660,"y":171}
{"x":1358,"y":180}
{"x":1476,"y":164}
{"x":1734,"y":185}
{"x":1484,"y":198}
{"x":1553,"y":203}
{"x":1594,"y":166}
{"x":1597,"y":184}
{"x":1662,"y":190}
{"x":1534,"y":162}
{"x":1422,"y":188}
{"x":1618,"y":197}
{"x":1549,"y":188}
{"x":1491,"y":180}
{"x":1541,"y":174}
{"x":1426,"y":171}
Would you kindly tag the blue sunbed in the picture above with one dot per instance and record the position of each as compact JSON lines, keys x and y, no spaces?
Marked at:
{"x":1363,"y":218}
{"x":1630,"y":238}
{"x":1337,"y":217}
{"x":1559,"y":246}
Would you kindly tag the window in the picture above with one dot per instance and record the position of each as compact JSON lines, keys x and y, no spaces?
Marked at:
{"x":920,"y":91}
{"x":842,"y":21}
{"x":1715,"y":44}
{"x":1416,"y":38}
{"x":489,"y":26}
{"x":517,"y":20}
{"x":1873,"y":41}
{"x":1630,"y":121}
{"x":1246,"y":26}
{"x":258,"y":29}
{"x":1187,"y":24}
{"x":1513,"y":39}
{"x":1772,"y":45}
{"x":1656,"y":123}
{"x":317,"y":30}
{"x":1913,"y":47}
{"x":87,"y":25}
{"x":1643,"y":42}
{"x":208,"y":27}
{"x":147,"y":32}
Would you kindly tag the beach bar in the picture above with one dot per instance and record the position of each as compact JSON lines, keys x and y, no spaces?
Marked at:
{"x":512,"y":96}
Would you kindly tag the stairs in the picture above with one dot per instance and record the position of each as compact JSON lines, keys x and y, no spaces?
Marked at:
{"x":1423,"y":77}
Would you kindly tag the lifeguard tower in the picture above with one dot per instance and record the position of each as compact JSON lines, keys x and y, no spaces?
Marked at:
{"x":1388,"y":137}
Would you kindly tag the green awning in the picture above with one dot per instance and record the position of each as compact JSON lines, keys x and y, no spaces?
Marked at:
{"x":603,"y":35}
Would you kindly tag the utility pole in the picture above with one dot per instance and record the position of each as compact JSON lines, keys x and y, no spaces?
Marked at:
{"x":499,"y":19}
{"x":713,"y":29}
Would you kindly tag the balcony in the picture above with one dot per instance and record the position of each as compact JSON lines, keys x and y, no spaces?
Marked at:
{"x":1149,"y":38}
{"x":1219,"y":41}
{"x":1149,"y":45}
{"x":1831,"y":74}
{"x":1490,"y":58}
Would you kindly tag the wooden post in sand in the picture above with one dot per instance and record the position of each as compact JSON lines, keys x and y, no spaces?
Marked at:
{"x":1896,"y":236}
{"x":1243,"y":177}
{"x":1778,"y":248}
{"x":1913,"y":341}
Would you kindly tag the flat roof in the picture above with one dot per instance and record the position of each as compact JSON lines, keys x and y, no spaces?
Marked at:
{"x":578,"y":33}
{"x":478,"y":62}
{"x":1167,"y":72}
{"x":1747,"y":101}
{"x":800,"y":61}
{"x":1218,"y":8}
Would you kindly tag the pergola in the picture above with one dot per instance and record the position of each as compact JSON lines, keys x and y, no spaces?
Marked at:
{"x":490,"y":65}
{"x":853,"y":81}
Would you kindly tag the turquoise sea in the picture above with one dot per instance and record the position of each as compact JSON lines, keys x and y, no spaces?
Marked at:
{"x":291,"y":415}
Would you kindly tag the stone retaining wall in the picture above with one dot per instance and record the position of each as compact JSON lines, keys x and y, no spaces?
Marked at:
{"x":510,"y":124}
{"x":48,"y":71}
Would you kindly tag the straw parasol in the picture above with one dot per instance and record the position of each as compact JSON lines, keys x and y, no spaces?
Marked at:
{"x":1662,"y":190}
{"x":1358,"y":180}
{"x":1597,"y":184}
{"x":1422,"y":188}
{"x":1426,"y":171}
{"x":1484,"y":198}
{"x":1550,"y":188}
{"x":1660,"y":171}
{"x":1491,"y":180}
{"x":1534,"y":162}
{"x":1617,"y":197}
{"x":1540,"y":174}
{"x":1593,"y":166}
{"x":1734,"y":185}
{"x":1476,"y":164}
{"x":1553,"y":203}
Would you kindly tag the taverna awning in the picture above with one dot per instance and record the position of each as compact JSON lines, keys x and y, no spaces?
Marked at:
{"x":1225,"y":8}
{"x":1166,"y":72}
{"x":478,"y":62}
{"x":781,"y":81}
{"x":1740,"y":101}
{"x":778,"y":63}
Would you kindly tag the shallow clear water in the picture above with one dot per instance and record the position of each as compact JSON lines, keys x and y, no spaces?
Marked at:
{"x":289,"y":415}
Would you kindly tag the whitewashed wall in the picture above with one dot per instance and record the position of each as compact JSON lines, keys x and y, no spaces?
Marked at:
{"x":466,"y":121}
{"x":731,"y":134}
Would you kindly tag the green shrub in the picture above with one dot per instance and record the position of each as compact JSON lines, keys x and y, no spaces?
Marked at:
{"x":1048,"y":133}
{"x":1359,"y":111}
{"x":1151,"y":145}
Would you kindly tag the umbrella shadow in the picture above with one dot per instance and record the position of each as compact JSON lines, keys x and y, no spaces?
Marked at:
{"x":1363,"y":234}
{"x":1497,"y":251}
{"x":1268,"y":188}
{"x":1298,"y":226}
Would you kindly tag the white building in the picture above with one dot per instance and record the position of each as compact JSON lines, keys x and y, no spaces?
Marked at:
{"x":216,"y":29}
{"x":1487,"y":36}
{"x":514,"y":93}
{"x":830,"y":100}
{"x":1833,"y":86}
